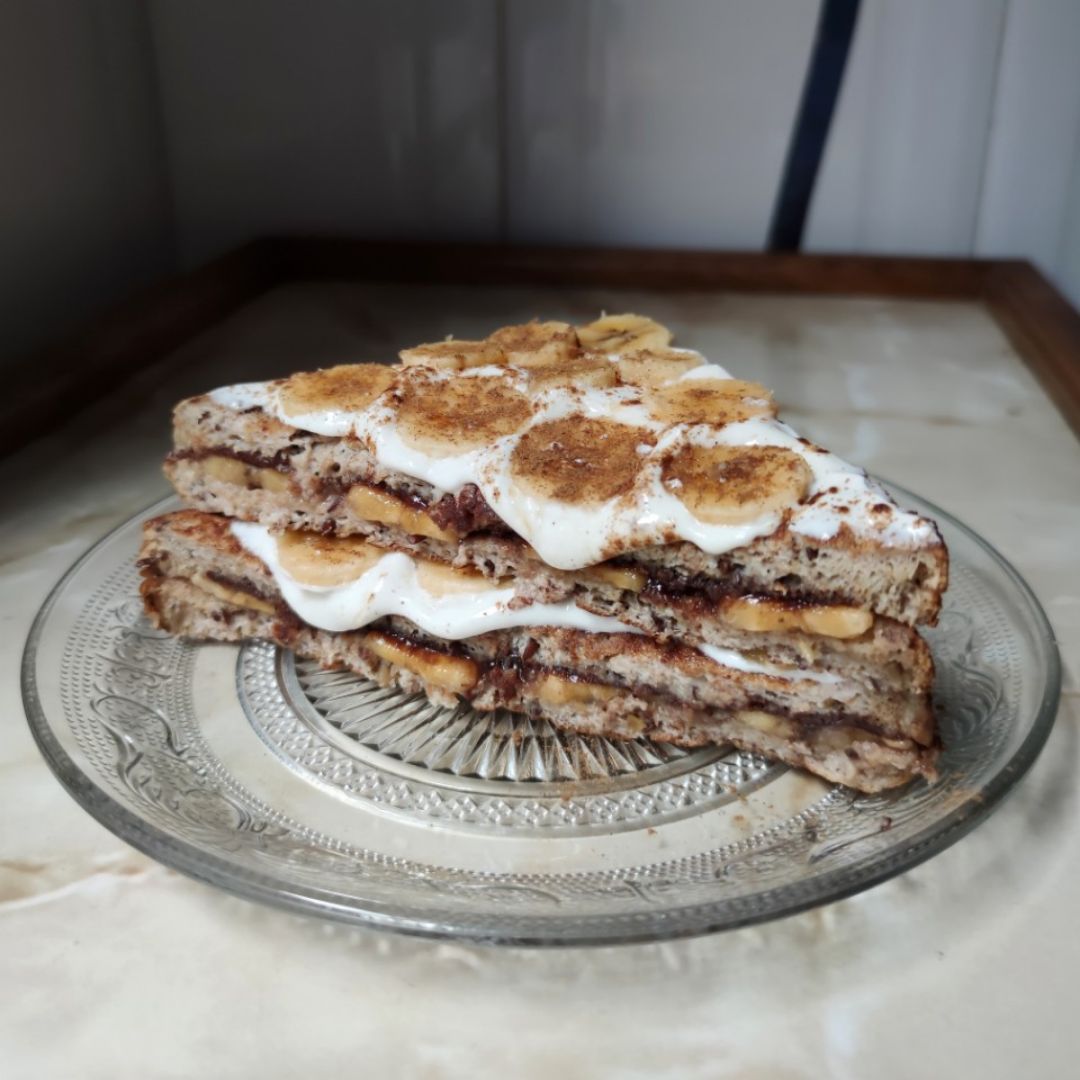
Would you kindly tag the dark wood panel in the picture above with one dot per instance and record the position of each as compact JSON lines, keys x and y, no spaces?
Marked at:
{"x":862,"y":275}
{"x":48,"y":387}
{"x":1043,"y":327}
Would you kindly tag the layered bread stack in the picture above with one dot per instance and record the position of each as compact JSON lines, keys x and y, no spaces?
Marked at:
{"x":582,"y":523}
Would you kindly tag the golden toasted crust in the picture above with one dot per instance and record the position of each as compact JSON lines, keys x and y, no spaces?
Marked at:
{"x":210,"y":530}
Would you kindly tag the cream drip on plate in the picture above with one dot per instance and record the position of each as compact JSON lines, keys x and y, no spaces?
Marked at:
{"x":571,"y":536}
{"x":395,"y":585}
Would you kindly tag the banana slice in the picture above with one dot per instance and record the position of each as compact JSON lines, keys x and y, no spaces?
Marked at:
{"x":579,"y":460}
{"x":710,"y":401}
{"x":375,"y":505}
{"x":656,"y":367}
{"x":452,"y":355}
{"x":323,"y":561}
{"x":536,"y":343}
{"x":552,"y":689}
{"x":228,"y":470}
{"x":760,"y":615}
{"x":438,"y":579}
{"x":236,"y":597}
{"x":582,"y":371}
{"x":458,"y":674}
{"x":459,"y":415}
{"x":621,"y":577}
{"x":624,"y":333}
{"x":349,"y":387}
{"x":731,"y":485}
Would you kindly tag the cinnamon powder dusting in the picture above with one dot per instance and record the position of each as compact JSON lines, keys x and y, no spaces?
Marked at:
{"x":580,"y":460}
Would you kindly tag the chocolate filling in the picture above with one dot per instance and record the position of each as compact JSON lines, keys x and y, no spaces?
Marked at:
{"x":466,"y":512}
{"x":508,"y":674}
{"x":280,"y":462}
{"x":702,"y":592}
{"x":243,"y":585}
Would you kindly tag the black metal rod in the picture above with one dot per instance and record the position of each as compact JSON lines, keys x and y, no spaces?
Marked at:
{"x":828,"y":59}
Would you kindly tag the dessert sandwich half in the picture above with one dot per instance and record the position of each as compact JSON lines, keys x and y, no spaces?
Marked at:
{"x":578,"y":522}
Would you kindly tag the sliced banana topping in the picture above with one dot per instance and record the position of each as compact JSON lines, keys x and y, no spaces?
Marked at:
{"x":233,"y":471}
{"x":624,"y":333}
{"x":837,"y":622}
{"x":236,"y":597}
{"x":375,"y":505}
{"x":546,"y":419}
{"x":710,"y":401}
{"x":438,"y":579}
{"x":656,"y":367}
{"x":458,"y":674}
{"x":456,"y":416}
{"x":622,"y":577}
{"x":552,"y":689}
{"x":324,"y":561}
{"x":579,"y":460}
{"x":536,"y":343}
{"x":452,"y":355}
{"x":585,"y":370}
{"x":760,"y":615}
{"x":731,"y":485}
{"x":347,"y":387}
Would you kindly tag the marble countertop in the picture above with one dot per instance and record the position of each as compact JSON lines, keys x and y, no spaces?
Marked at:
{"x":115,"y":966}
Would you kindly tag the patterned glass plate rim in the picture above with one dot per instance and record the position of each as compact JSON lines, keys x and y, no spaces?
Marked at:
{"x":127,"y":728}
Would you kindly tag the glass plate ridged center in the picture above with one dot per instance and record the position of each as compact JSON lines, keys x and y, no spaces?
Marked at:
{"x":478,"y":769}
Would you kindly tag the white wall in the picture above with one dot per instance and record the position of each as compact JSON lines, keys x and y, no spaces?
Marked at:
{"x":375,"y":118}
{"x":903,"y":165}
{"x":133,"y":132}
{"x":637,"y":123}
{"x":1031,"y":187}
{"x":83,"y":203}
{"x":622,"y":122}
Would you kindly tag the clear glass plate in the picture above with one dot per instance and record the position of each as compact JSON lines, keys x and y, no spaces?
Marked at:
{"x":319,"y":792}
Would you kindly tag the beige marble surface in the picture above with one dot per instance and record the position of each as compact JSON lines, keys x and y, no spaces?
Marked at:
{"x":114,"y":966}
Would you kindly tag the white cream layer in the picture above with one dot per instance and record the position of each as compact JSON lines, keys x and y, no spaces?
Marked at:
{"x":569,"y":536}
{"x":392,"y":587}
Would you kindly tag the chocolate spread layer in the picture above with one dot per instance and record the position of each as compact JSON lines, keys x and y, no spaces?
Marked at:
{"x":281,"y":461}
{"x":703,"y":591}
{"x":510,"y":673}
{"x":467,"y":511}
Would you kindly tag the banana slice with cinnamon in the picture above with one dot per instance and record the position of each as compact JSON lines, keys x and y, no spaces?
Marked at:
{"x":452,"y":355}
{"x":656,"y":367}
{"x":579,"y":460}
{"x":624,"y":333}
{"x":459,"y":415}
{"x":587,"y":370}
{"x":732,"y":485}
{"x":348,"y":387}
{"x":710,"y":401}
{"x":324,"y":561}
{"x":536,"y":343}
